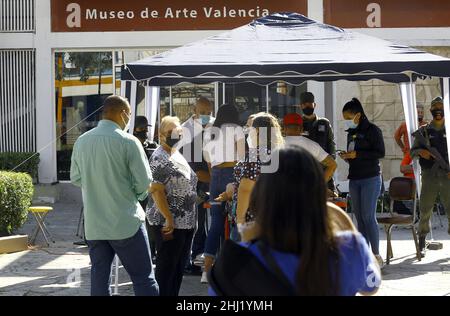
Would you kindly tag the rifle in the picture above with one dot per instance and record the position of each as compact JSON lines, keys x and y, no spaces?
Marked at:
{"x":439,"y":161}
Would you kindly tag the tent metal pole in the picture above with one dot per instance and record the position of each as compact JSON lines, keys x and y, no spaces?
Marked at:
{"x":267,"y":98}
{"x":170,"y":101}
{"x":123,"y":88}
{"x":152,"y":105}
{"x":113,"y":71}
{"x":446,"y":96}
{"x":216,"y":97}
{"x":407,"y":90}
{"x":133,"y":103}
{"x":223,"y":93}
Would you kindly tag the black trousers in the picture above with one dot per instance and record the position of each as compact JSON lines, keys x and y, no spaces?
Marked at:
{"x":151,"y":240}
{"x":171,"y":258}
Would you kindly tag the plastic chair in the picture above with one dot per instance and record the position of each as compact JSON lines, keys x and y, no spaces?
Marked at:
{"x":40,"y":213}
{"x":400,"y":189}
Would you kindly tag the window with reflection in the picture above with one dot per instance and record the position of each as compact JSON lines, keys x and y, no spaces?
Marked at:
{"x":83,"y":81}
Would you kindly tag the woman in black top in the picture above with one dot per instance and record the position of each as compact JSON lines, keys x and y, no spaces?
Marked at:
{"x":365,"y":146}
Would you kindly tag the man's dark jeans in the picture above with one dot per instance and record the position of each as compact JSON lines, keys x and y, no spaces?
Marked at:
{"x":135,"y":255}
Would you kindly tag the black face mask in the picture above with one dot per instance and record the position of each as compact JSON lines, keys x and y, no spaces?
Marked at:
{"x":420,"y":119}
{"x":308,"y":111}
{"x":142,"y":135}
{"x":436,"y":112}
{"x":171,"y":142}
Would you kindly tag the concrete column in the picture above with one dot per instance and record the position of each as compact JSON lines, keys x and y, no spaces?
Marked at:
{"x":329,"y":105}
{"x":45,"y":107}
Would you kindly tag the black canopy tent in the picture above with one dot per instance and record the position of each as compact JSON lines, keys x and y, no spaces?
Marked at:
{"x":288,"y":47}
{"x":292,"y":48}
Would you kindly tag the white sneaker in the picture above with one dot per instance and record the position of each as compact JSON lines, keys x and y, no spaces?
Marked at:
{"x":380,"y":261}
{"x":199,"y":260}
{"x":204,"y":279}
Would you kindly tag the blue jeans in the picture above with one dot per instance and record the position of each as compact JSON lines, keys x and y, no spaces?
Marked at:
{"x":220,"y":177}
{"x":135,"y":255}
{"x":364,"y":194}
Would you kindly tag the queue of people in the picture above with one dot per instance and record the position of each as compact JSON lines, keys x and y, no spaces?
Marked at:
{"x":309,"y":249}
{"x":271,"y":181}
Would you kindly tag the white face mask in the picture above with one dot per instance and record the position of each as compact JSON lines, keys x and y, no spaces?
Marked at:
{"x":127,"y":125}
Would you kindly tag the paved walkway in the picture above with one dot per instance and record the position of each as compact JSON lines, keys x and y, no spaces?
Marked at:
{"x":63,"y":269}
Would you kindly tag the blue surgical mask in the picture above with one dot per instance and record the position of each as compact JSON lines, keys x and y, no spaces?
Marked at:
{"x":204,"y":119}
{"x":350,"y":124}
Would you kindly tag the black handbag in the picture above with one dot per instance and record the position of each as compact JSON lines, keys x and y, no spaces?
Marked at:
{"x":237,"y":272}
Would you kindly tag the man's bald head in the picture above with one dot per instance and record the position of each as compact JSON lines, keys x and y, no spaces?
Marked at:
{"x":117,"y":109}
{"x":203,"y":107}
{"x":115,"y":104}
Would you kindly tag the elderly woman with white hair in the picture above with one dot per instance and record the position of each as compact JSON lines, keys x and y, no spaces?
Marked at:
{"x":172,"y":213}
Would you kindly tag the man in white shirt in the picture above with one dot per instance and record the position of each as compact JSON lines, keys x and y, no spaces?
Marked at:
{"x":293,"y":130}
{"x":191,"y":146}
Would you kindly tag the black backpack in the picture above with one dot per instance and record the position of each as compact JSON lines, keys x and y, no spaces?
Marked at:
{"x":238,"y":272}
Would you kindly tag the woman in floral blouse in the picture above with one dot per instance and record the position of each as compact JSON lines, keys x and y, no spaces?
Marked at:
{"x":263,"y":138}
{"x":172,"y":212}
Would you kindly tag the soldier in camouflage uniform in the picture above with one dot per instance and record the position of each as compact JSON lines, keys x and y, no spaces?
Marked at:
{"x":430,"y":146}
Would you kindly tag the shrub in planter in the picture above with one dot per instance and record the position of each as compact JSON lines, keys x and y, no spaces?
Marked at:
{"x":27,"y":162}
{"x":16,"y":193}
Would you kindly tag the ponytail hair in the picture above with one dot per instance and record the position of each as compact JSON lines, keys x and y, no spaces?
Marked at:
{"x":354,"y":106}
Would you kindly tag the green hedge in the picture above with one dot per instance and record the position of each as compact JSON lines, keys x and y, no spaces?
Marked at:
{"x":16,"y":194}
{"x":27,"y":162}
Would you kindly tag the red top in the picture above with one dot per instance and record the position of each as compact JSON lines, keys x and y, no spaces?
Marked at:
{"x":402,"y":132}
{"x":407,"y":161}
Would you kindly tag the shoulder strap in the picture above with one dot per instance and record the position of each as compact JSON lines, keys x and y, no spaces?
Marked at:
{"x":272,"y":263}
{"x":238,"y":272}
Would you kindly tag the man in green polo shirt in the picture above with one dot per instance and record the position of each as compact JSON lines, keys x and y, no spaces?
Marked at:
{"x":112,"y":170}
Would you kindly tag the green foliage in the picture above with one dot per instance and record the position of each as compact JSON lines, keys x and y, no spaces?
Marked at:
{"x":16,"y":194}
{"x":20,"y":162}
{"x":85,"y":64}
